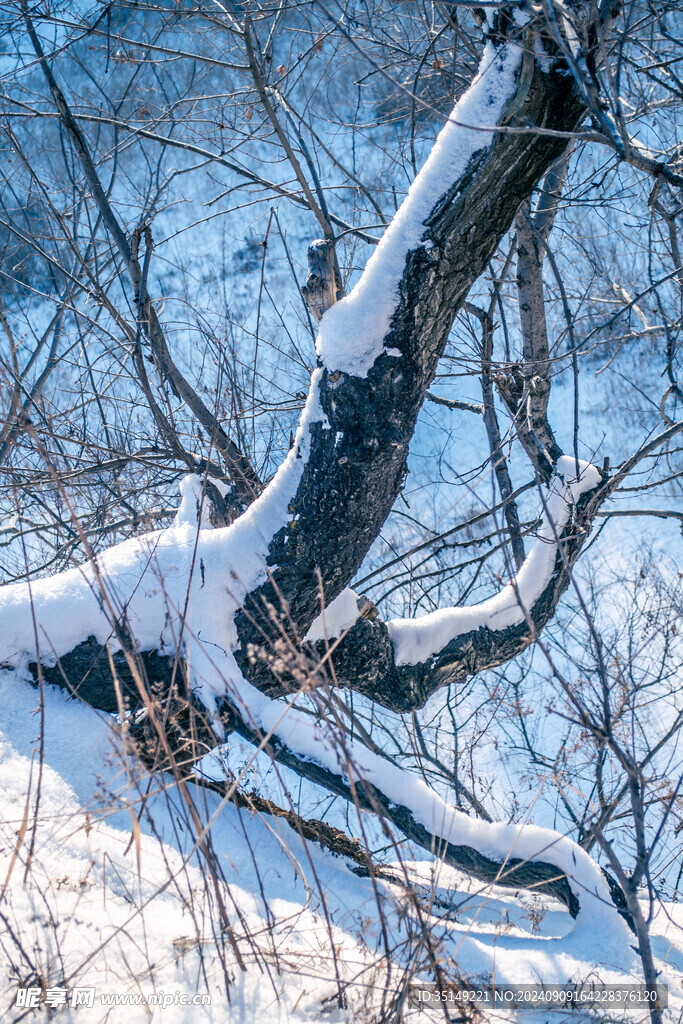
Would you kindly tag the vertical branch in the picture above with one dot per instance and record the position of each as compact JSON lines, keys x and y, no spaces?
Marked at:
{"x":498,"y":459}
{"x":550,"y":193}
{"x":315,"y":197}
{"x":317,"y":205}
{"x":573,"y":340}
{"x":532,"y":409}
{"x":669,"y":217}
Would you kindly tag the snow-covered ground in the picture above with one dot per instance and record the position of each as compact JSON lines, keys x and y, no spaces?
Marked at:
{"x":103,"y":905}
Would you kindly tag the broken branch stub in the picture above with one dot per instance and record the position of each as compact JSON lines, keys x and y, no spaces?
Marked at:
{"x":323,"y":284}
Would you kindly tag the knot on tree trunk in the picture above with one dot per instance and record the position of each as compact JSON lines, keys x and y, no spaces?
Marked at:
{"x":511,"y":387}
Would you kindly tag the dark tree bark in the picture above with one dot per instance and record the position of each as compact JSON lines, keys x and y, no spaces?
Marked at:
{"x":351,"y":485}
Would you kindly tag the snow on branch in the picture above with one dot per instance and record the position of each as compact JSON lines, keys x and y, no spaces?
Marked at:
{"x":495,"y":852}
{"x":416,"y":640}
{"x":194,"y":592}
{"x":353,"y":331}
{"x":140,"y":586}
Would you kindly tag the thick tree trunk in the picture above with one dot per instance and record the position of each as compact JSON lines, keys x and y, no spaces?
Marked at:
{"x":356,"y":468}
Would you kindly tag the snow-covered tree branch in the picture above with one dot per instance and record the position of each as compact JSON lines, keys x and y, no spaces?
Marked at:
{"x":243,"y":616}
